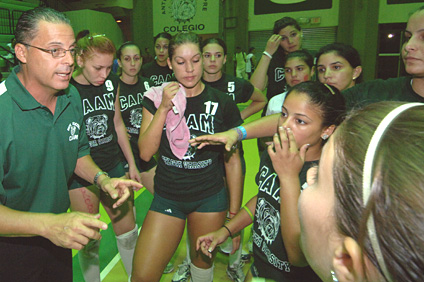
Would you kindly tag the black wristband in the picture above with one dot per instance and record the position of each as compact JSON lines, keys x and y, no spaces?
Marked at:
{"x":231,"y":235}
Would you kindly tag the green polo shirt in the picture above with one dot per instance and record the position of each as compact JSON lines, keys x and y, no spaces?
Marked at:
{"x":38,"y":150}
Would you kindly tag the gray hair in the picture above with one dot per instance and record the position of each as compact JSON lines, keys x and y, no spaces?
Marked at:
{"x":27,"y":26}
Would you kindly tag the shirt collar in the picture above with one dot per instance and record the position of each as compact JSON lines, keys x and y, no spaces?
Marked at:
{"x":21,"y":95}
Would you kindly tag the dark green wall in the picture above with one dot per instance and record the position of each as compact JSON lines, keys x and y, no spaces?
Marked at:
{"x":142,"y":24}
{"x":358,"y":26}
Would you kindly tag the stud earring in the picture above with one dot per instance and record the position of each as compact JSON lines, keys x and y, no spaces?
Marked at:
{"x":324,"y":137}
{"x":333,"y":276}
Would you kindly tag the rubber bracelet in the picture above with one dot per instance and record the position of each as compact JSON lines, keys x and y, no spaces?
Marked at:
{"x":231,"y":235}
{"x":267,"y":54}
{"x":249,"y":212}
{"x":241,"y":132}
{"x":232,"y":213}
{"x":97,"y":177}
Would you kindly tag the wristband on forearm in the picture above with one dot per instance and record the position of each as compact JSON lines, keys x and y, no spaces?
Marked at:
{"x":241,"y":133}
{"x":231,"y":235}
{"x":267,"y":54}
{"x":96,"y":178}
{"x":249,"y":212}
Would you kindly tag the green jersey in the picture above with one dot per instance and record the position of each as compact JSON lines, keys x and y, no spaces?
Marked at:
{"x":38,"y":149}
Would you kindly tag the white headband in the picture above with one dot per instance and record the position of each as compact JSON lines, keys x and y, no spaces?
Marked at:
{"x":367,"y":178}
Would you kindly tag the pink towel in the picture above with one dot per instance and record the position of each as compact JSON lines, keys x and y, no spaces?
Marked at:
{"x":176,"y":127}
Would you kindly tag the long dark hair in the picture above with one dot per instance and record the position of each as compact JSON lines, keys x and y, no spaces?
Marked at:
{"x":397,"y":196}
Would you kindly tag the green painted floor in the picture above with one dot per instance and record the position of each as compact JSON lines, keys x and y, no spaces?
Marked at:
{"x":112,"y":268}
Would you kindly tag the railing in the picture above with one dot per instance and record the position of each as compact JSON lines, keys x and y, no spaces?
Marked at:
{"x":5,"y":24}
{"x":16,"y":14}
{"x":11,"y":62}
{"x":8,"y":19}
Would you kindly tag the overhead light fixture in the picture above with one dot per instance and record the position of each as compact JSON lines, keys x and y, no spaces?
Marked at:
{"x":390,"y":35}
{"x":119,"y":21}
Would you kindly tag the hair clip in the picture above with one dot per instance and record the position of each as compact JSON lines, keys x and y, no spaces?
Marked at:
{"x":91,"y":37}
{"x":329,"y":88}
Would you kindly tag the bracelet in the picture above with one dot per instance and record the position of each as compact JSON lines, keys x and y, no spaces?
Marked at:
{"x":267,"y":54}
{"x":249,"y":212}
{"x":231,"y":235}
{"x":232,"y":213}
{"x":241,"y":132}
{"x":97,"y":177}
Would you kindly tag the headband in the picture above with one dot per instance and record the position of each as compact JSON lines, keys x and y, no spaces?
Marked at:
{"x":367,"y":178}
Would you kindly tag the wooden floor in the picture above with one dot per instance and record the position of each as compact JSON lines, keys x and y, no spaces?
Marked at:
{"x":112,"y":268}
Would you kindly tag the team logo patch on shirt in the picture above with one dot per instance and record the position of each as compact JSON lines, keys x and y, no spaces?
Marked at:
{"x":73,"y":129}
{"x":268,"y":219}
{"x":135,"y":117}
{"x":97,"y":126}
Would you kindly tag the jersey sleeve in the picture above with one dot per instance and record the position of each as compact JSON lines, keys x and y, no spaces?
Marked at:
{"x":232,"y":114}
{"x":247,"y":91}
{"x":149,"y":105}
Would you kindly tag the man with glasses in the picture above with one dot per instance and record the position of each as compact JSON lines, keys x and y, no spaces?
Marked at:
{"x":42,"y":142}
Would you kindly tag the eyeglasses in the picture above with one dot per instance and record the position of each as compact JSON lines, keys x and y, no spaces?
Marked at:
{"x":56,"y":52}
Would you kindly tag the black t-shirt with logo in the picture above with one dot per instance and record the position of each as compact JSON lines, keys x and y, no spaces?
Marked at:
{"x":276,"y":77}
{"x":268,"y":244}
{"x":240,"y":90}
{"x":98,"y":105}
{"x":130,"y":98}
{"x":156,"y":73}
{"x":199,"y":174}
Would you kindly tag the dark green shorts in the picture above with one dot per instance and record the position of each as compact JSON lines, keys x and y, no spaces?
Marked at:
{"x":141,"y":165}
{"x":78,"y":182}
{"x":214,"y":203}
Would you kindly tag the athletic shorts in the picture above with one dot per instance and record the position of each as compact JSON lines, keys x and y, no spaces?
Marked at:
{"x":215,"y":203}
{"x":78,"y":182}
{"x":142,"y":166}
{"x":34,"y":259}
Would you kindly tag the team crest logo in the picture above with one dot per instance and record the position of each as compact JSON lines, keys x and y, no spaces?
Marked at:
{"x":268,"y":219}
{"x":279,"y":74}
{"x":183,"y":10}
{"x":135,"y":117}
{"x":191,"y":150}
{"x":72,"y":129}
{"x":97,"y":126}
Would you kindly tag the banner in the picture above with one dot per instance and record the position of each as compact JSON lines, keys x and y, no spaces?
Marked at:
{"x":173,"y":16}
{"x":284,"y":6}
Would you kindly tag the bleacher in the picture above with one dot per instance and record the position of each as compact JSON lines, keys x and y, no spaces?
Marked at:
{"x":8,"y":18}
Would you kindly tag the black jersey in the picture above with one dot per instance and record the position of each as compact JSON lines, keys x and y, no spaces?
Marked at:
{"x":98,"y":103}
{"x":239,"y":89}
{"x":276,"y":76}
{"x":268,"y":245}
{"x":156,"y":73}
{"x":130,"y":98}
{"x":199,"y":174}
{"x":392,"y":89}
